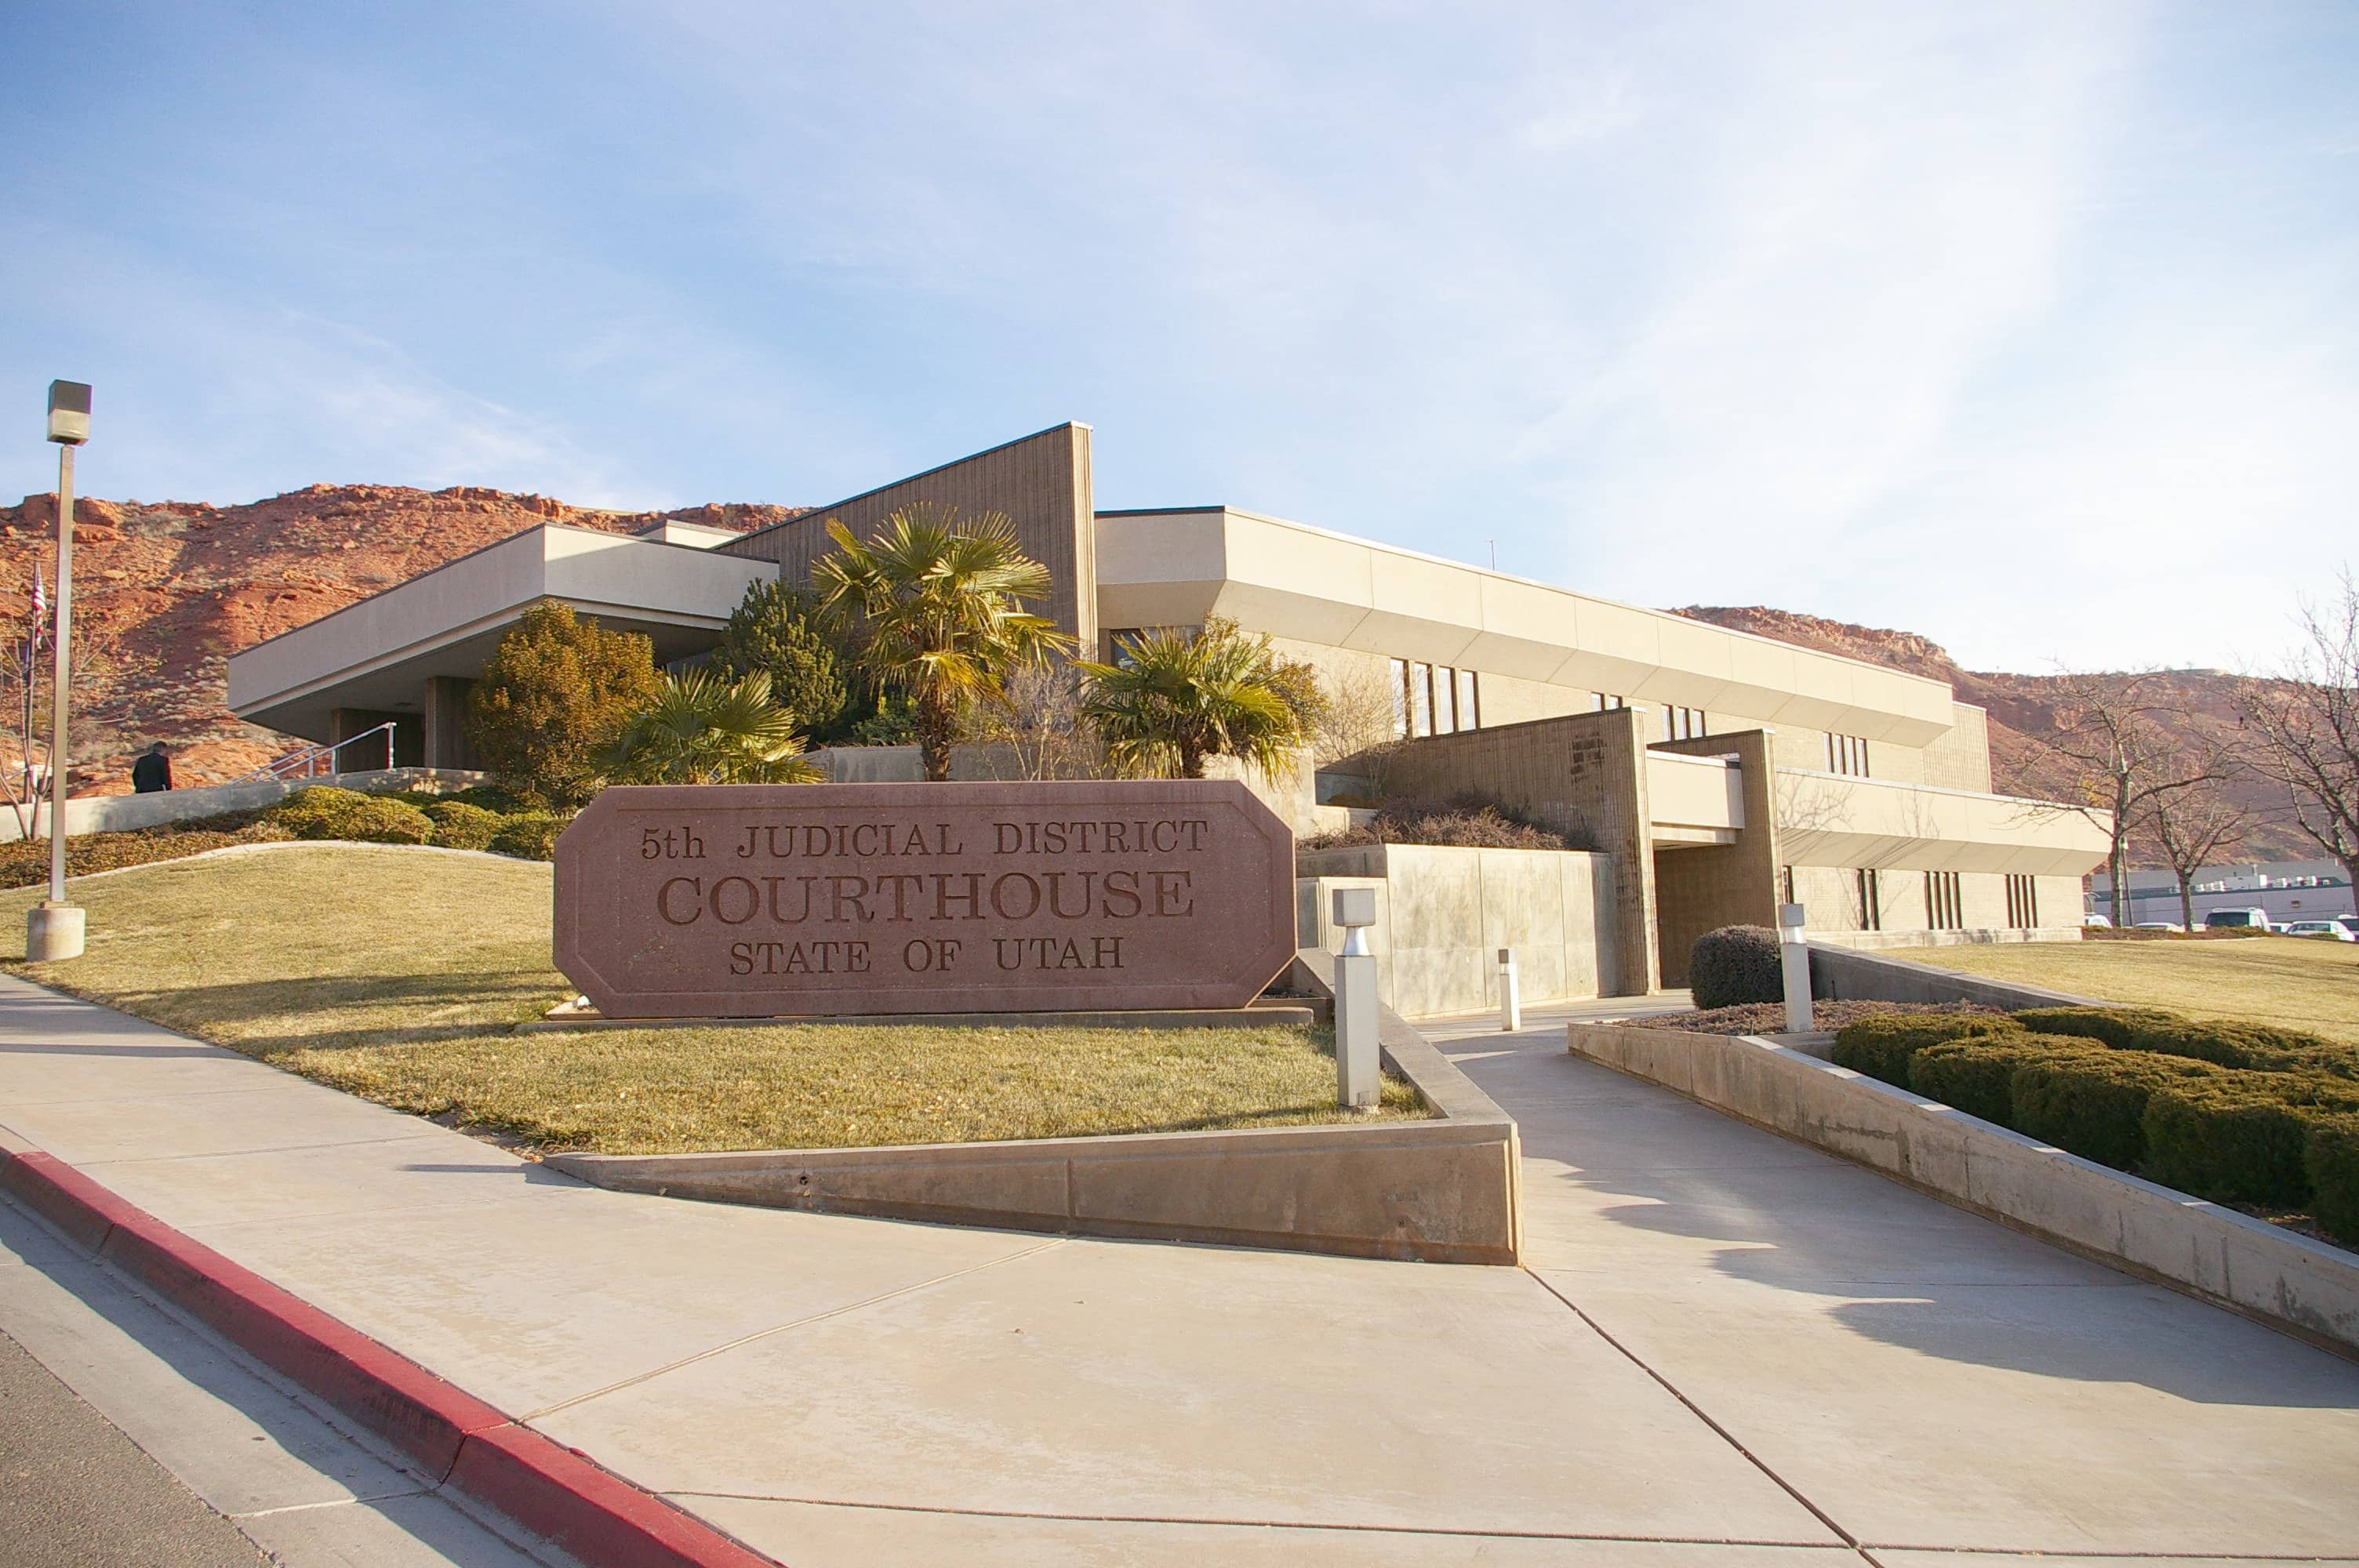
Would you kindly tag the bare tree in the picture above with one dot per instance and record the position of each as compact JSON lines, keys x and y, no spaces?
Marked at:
{"x":1361,"y":716}
{"x":2192,"y":828}
{"x":1042,"y":728}
{"x":2301,"y":729}
{"x":2105,"y":756}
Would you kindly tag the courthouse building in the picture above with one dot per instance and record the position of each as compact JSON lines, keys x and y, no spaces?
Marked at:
{"x":1722,"y":772}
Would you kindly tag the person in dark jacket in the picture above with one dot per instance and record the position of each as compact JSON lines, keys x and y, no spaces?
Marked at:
{"x":152,"y":772}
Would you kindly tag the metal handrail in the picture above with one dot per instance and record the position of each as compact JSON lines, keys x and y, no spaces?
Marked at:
{"x":305,"y":763}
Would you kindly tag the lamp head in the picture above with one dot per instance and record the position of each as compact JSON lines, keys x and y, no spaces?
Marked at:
{"x":69,"y":412}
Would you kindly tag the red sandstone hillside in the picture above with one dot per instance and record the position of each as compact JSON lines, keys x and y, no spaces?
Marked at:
{"x":164,"y":593}
{"x":2019,"y":705}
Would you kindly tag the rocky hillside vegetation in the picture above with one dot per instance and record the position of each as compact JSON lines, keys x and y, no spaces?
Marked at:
{"x":166,"y":591}
{"x":2023,"y":706}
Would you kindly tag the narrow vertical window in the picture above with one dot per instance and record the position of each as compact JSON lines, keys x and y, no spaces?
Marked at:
{"x":1445,"y":700}
{"x":1469,"y":701}
{"x":1420,"y":698}
{"x":1399,"y":672}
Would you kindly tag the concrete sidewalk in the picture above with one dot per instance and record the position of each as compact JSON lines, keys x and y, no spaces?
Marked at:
{"x":1730,"y":1350}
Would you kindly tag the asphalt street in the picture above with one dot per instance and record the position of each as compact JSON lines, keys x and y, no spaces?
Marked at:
{"x":81,"y":1495}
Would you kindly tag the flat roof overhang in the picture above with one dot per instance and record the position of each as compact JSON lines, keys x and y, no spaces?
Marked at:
{"x":1833,"y":820}
{"x":378,"y":654}
{"x":1175,"y":568}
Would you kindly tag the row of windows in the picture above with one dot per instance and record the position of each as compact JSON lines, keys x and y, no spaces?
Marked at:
{"x":1434,"y":700}
{"x":1847,"y":755}
{"x":1682,"y":723}
{"x":1945,"y":908}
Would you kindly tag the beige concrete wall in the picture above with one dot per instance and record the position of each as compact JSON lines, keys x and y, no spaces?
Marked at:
{"x":1582,"y":775}
{"x":1177,"y":567}
{"x":1042,"y":482}
{"x":1443,"y":913}
{"x":1961,"y":759}
{"x":1699,"y":887}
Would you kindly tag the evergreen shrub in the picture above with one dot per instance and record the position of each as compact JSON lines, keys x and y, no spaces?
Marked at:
{"x":528,"y":837}
{"x":460,"y":826}
{"x":1975,"y":1074}
{"x":2331,"y":1159}
{"x":1735,"y":965}
{"x":2235,"y":1138}
{"x":327,"y":812}
{"x":1881,"y":1046}
{"x":2093,"y":1101}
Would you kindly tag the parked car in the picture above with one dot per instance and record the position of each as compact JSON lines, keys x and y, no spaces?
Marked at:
{"x":2157,"y":926}
{"x":2097,"y":921}
{"x":2349,"y":923}
{"x":2238,"y":919}
{"x":2330,"y":929}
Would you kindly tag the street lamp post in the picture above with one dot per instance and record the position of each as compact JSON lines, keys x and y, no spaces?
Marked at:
{"x":54,"y":929}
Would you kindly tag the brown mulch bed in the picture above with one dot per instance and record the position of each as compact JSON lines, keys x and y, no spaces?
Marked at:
{"x":1769,"y":1017}
{"x":26,"y":862}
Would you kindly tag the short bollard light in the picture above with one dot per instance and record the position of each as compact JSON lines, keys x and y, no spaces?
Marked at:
{"x":1511,"y":996}
{"x":1359,"y":1084}
{"x":1794,"y":960}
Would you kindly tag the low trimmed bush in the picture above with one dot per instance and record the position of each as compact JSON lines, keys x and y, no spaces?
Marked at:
{"x":327,"y":812}
{"x":459,"y":825}
{"x":2114,"y":1025}
{"x":490,"y":797}
{"x":1975,"y":1074}
{"x":2233,"y":1138}
{"x":2330,"y":1158}
{"x":2258,"y":1046}
{"x":2093,"y":1101}
{"x":527,"y":837}
{"x":1735,"y":965}
{"x":1881,"y":1046}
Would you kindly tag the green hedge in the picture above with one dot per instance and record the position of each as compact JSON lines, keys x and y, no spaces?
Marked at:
{"x":460,"y":826}
{"x":2258,"y":1046}
{"x":2233,"y":1112}
{"x":528,"y":838}
{"x":2095,"y":1102}
{"x":2330,"y":1161}
{"x":2233,"y":1138}
{"x":1976,"y":1072}
{"x":326,"y":812}
{"x":1881,"y":1046}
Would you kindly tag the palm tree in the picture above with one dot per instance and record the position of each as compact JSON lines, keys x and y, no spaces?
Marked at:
{"x":1171,"y":700}
{"x":700,"y":727}
{"x":940,"y":609}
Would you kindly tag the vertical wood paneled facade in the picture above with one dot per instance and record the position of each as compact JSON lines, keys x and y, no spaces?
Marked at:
{"x":1042,"y":482}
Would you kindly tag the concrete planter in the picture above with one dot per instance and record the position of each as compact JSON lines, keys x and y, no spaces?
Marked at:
{"x":1446,"y":1189}
{"x":2305,"y":1287}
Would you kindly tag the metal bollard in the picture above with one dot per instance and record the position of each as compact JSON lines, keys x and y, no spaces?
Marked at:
{"x":1359,"y":1083}
{"x":1511,"y":996}
{"x":1794,"y":961}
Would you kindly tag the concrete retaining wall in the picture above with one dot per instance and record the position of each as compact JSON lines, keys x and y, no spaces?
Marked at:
{"x":2303,"y":1286}
{"x":1446,"y":1189}
{"x":124,"y":813}
{"x":1850,"y":975}
{"x":1443,"y":913}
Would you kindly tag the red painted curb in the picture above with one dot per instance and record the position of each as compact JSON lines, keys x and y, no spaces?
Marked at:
{"x":548,"y":1490}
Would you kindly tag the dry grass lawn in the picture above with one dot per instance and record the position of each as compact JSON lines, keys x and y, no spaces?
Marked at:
{"x":2295,"y":982}
{"x":396,"y":973}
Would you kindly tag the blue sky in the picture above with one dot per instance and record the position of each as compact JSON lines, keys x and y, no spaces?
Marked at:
{"x":2033,"y":329}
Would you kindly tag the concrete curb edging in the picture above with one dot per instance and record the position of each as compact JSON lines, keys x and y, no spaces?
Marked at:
{"x":2288,"y":1281}
{"x":548,"y":1490}
{"x":1852,"y":974}
{"x":1446,"y":1189}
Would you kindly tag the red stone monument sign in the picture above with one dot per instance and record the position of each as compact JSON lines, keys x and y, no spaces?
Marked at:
{"x":755,"y":901}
